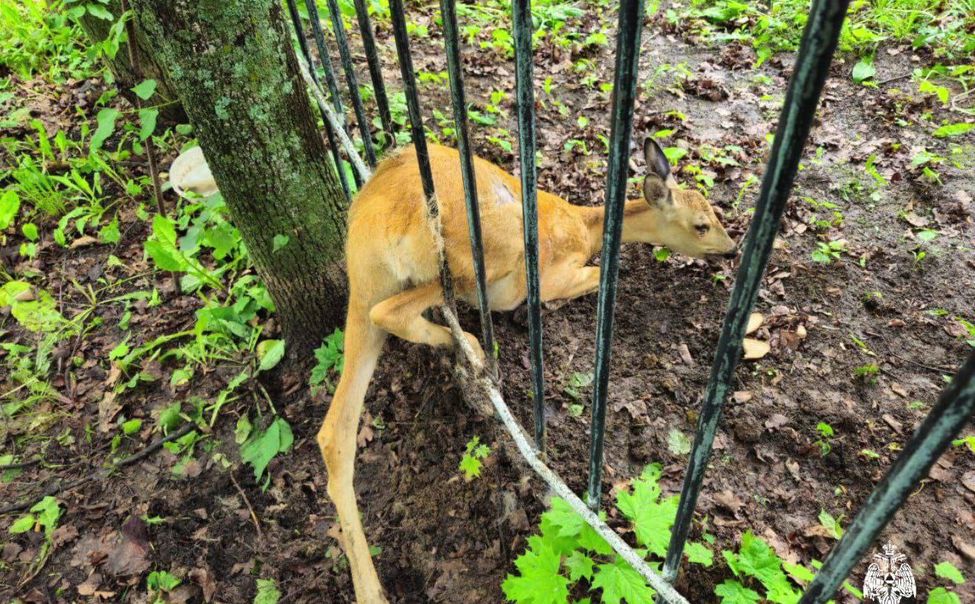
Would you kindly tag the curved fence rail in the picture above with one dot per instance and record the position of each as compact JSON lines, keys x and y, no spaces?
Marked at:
{"x":955,"y":406}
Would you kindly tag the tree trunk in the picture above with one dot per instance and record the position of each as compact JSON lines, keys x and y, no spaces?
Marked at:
{"x":233,"y":67}
{"x":149,"y":65}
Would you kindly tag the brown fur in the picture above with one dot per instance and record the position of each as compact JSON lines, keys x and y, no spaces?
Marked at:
{"x":392,"y":257}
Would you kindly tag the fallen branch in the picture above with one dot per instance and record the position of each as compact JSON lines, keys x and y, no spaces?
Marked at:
{"x":333,"y":120}
{"x":104,"y":473}
{"x":528,"y":452}
{"x":20,"y":465}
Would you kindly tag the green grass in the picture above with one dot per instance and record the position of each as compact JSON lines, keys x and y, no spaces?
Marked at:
{"x":943,"y":28}
{"x":39,"y":36}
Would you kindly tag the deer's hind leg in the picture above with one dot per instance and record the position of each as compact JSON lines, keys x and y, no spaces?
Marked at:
{"x":402,"y":316}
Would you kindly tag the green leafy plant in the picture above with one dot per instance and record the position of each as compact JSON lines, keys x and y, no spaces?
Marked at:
{"x":329,"y":361}
{"x":261,"y":446}
{"x":832,"y":525}
{"x":947,"y":570}
{"x":267,"y":592}
{"x":966,"y":441}
{"x":159,"y":583}
{"x":43,"y":515}
{"x":828,"y":252}
{"x":568,"y":552}
{"x":867,"y":373}
{"x":826,"y":434}
{"x":474,"y":453}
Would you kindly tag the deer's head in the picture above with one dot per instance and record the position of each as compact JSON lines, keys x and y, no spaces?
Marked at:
{"x":681,"y":219}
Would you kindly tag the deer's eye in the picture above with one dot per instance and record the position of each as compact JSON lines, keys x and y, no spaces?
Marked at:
{"x":702,"y":228}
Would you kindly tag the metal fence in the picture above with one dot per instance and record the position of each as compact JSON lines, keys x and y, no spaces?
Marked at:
{"x":955,"y":406}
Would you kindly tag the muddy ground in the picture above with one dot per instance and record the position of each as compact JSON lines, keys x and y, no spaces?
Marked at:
{"x":445,"y":540}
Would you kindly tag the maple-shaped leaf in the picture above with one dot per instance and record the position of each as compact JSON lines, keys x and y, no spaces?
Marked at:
{"x":698,"y":553}
{"x":756,"y":559}
{"x":593,"y":541}
{"x":620,"y":583}
{"x":567,"y":522}
{"x":579,"y":565}
{"x":539,"y":581}
{"x":470,"y":466}
{"x":733,"y":592}
{"x":652,"y":518}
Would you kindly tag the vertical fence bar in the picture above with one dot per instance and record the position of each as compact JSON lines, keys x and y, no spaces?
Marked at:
{"x":342,"y":41}
{"x":630,"y":25}
{"x":326,"y":59}
{"x":954,"y":408}
{"x":812,"y":66}
{"x":525,"y":104}
{"x":398,"y":17}
{"x":330,"y":81}
{"x":375,"y":70}
{"x":329,"y":132}
{"x":448,"y":10}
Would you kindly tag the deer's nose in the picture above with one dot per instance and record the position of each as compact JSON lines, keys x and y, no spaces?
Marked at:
{"x":731,"y":254}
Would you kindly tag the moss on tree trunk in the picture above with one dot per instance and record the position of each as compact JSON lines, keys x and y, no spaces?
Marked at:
{"x":233,"y":67}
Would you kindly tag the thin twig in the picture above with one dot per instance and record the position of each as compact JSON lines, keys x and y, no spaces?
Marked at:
{"x":257,"y":525}
{"x":101,"y":475}
{"x":528,"y":452}
{"x":137,"y":72}
{"x":316,"y":90}
{"x":20,"y":465}
{"x":940,"y":370}
{"x":156,"y":445}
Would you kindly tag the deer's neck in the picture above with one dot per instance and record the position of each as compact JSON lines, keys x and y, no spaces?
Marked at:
{"x":637,"y":223}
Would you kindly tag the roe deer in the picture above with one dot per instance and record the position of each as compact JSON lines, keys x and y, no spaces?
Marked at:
{"x":393,"y":263}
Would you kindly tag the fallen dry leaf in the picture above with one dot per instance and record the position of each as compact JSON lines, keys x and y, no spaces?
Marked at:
{"x":129,"y":555}
{"x":754,"y":349}
{"x":968,"y":480}
{"x":728,"y":500}
{"x":83,"y":241}
{"x":755,"y":321}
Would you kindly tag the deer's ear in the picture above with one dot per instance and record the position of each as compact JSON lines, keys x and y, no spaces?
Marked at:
{"x":657,"y":162}
{"x":656,"y":191}
{"x":655,"y":186}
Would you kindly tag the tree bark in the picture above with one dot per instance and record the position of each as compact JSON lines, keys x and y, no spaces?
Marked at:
{"x":149,"y":65}
{"x":234,"y":69}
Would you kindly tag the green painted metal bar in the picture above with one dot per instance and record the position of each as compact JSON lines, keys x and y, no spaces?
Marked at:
{"x":375,"y":72}
{"x":342,"y":41}
{"x":326,"y":59}
{"x":525,"y":107}
{"x":812,"y":66}
{"x":323,"y":54}
{"x":448,"y":10}
{"x":954,"y":408}
{"x":398,"y":18}
{"x":630,"y":26}
{"x":329,"y":132}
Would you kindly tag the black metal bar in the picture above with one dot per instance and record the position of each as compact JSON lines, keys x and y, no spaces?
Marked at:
{"x":398,"y":19}
{"x":954,"y":408}
{"x":342,"y":41}
{"x":812,"y":66}
{"x":448,"y":10}
{"x":329,"y":132}
{"x":525,"y":104}
{"x":630,"y":25}
{"x":375,"y":71}
{"x":330,"y":81}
